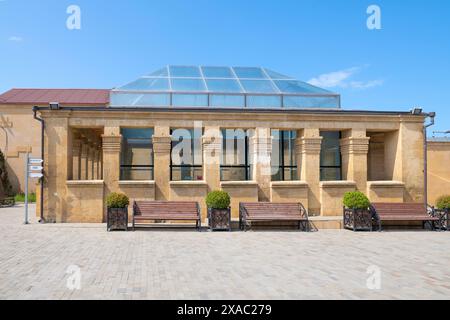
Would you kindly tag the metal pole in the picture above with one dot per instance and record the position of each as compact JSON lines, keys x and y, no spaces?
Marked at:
{"x":432,"y":116}
{"x":27,"y":162}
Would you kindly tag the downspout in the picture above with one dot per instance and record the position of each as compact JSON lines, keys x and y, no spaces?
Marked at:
{"x":432,"y":116}
{"x":35,"y":110}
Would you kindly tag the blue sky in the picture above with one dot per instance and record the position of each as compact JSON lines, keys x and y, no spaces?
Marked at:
{"x":405,"y":64}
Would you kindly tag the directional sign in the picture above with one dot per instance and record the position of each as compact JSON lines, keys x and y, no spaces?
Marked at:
{"x":36,"y":175}
{"x":36,"y":161}
{"x":36,"y":168}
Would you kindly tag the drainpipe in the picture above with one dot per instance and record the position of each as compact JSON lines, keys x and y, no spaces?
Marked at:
{"x":432,"y":116}
{"x":35,"y":110}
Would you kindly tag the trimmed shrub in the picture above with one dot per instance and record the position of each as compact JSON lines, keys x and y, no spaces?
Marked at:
{"x":443,"y":203}
{"x":356,"y":200}
{"x":117,"y":200}
{"x":218,"y":200}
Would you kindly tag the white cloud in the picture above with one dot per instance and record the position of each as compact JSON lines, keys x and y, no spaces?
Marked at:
{"x":15,"y":39}
{"x":332,"y":79}
{"x":365,"y":85}
{"x":341,"y":79}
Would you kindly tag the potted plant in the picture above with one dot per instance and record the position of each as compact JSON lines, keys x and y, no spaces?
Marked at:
{"x":219,"y":212}
{"x":357,"y":213}
{"x":443,"y":210}
{"x":117,"y":211}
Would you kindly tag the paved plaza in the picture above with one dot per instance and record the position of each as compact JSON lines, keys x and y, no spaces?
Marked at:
{"x":74,"y":261}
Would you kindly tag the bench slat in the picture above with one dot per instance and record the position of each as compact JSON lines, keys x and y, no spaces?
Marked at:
{"x":166,"y":210}
{"x":402,"y":212}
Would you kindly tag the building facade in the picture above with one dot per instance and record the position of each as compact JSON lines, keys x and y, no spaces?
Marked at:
{"x":21,"y":133}
{"x":181,"y":132}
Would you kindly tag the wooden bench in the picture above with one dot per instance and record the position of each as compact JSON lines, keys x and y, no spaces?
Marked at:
{"x":405,"y":212}
{"x":273,"y":212}
{"x":145,"y":211}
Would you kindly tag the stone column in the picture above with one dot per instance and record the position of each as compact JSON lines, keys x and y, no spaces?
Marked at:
{"x":112,"y":140}
{"x":212,"y":150}
{"x":96,"y":163}
{"x":410,"y":159}
{"x":308,"y":146}
{"x":84,"y":161}
{"x":58,"y":150}
{"x":161,"y":150}
{"x":91,"y":156}
{"x":76,"y":164}
{"x":261,"y":152}
{"x":100,"y":164}
{"x":354,"y":150}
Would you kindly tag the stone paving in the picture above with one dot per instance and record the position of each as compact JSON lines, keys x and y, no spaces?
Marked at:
{"x":38,"y":262}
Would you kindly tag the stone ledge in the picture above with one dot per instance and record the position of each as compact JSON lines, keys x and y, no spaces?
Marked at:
{"x":83,"y":183}
{"x":337,"y":184}
{"x":188,"y":184}
{"x":288,"y":184}
{"x":385,"y":184}
{"x":132,"y":183}
{"x":239,"y":184}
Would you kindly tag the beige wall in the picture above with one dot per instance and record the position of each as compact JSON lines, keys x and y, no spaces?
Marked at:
{"x":402,"y":157}
{"x":20,"y":133}
{"x":23,"y":133}
{"x":438,"y":170}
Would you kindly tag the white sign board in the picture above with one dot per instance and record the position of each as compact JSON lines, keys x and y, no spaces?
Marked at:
{"x":36,"y":161}
{"x":36,"y":168}
{"x":36,"y":175}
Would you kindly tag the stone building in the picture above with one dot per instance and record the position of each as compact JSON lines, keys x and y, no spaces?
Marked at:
{"x":255,"y":133}
{"x":21,"y":133}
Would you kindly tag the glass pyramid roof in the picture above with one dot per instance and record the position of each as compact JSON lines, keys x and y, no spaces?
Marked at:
{"x":221,"y":87}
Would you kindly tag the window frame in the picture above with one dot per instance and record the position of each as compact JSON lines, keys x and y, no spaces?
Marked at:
{"x":124,"y":166}
{"x":282,"y":166}
{"x":332,"y":167}
{"x":247,"y":165}
{"x":181,"y":166}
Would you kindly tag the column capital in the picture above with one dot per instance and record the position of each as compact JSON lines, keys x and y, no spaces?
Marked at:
{"x":355,"y":145}
{"x":162,"y":144}
{"x":111,"y":144}
{"x":309,"y":145}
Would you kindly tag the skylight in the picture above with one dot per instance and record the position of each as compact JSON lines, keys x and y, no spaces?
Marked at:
{"x":221,"y":87}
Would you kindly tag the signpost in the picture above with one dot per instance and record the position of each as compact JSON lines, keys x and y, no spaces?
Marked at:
{"x":33,"y":170}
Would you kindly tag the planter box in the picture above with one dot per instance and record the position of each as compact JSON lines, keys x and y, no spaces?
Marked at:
{"x":117,"y":219}
{"x":444,"y":218}
{"x":358,"y":219}
{"x":219,"y":219}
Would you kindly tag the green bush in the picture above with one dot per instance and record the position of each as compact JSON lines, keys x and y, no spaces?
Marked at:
{"x":356,"y":200}
{"x":117,"y":200}
{"x":218,"y":200}
{"x":5,"y":187}
{"x":443,"y":203}
{"x":21,"y":197}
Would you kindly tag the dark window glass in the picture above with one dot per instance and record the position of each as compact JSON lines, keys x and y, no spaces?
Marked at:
{"x":330,"y":157}
{"x":284,"y":160}
{"x":235,"y":164}
{"x":136,"y":161}
{"x":186,"y":156}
